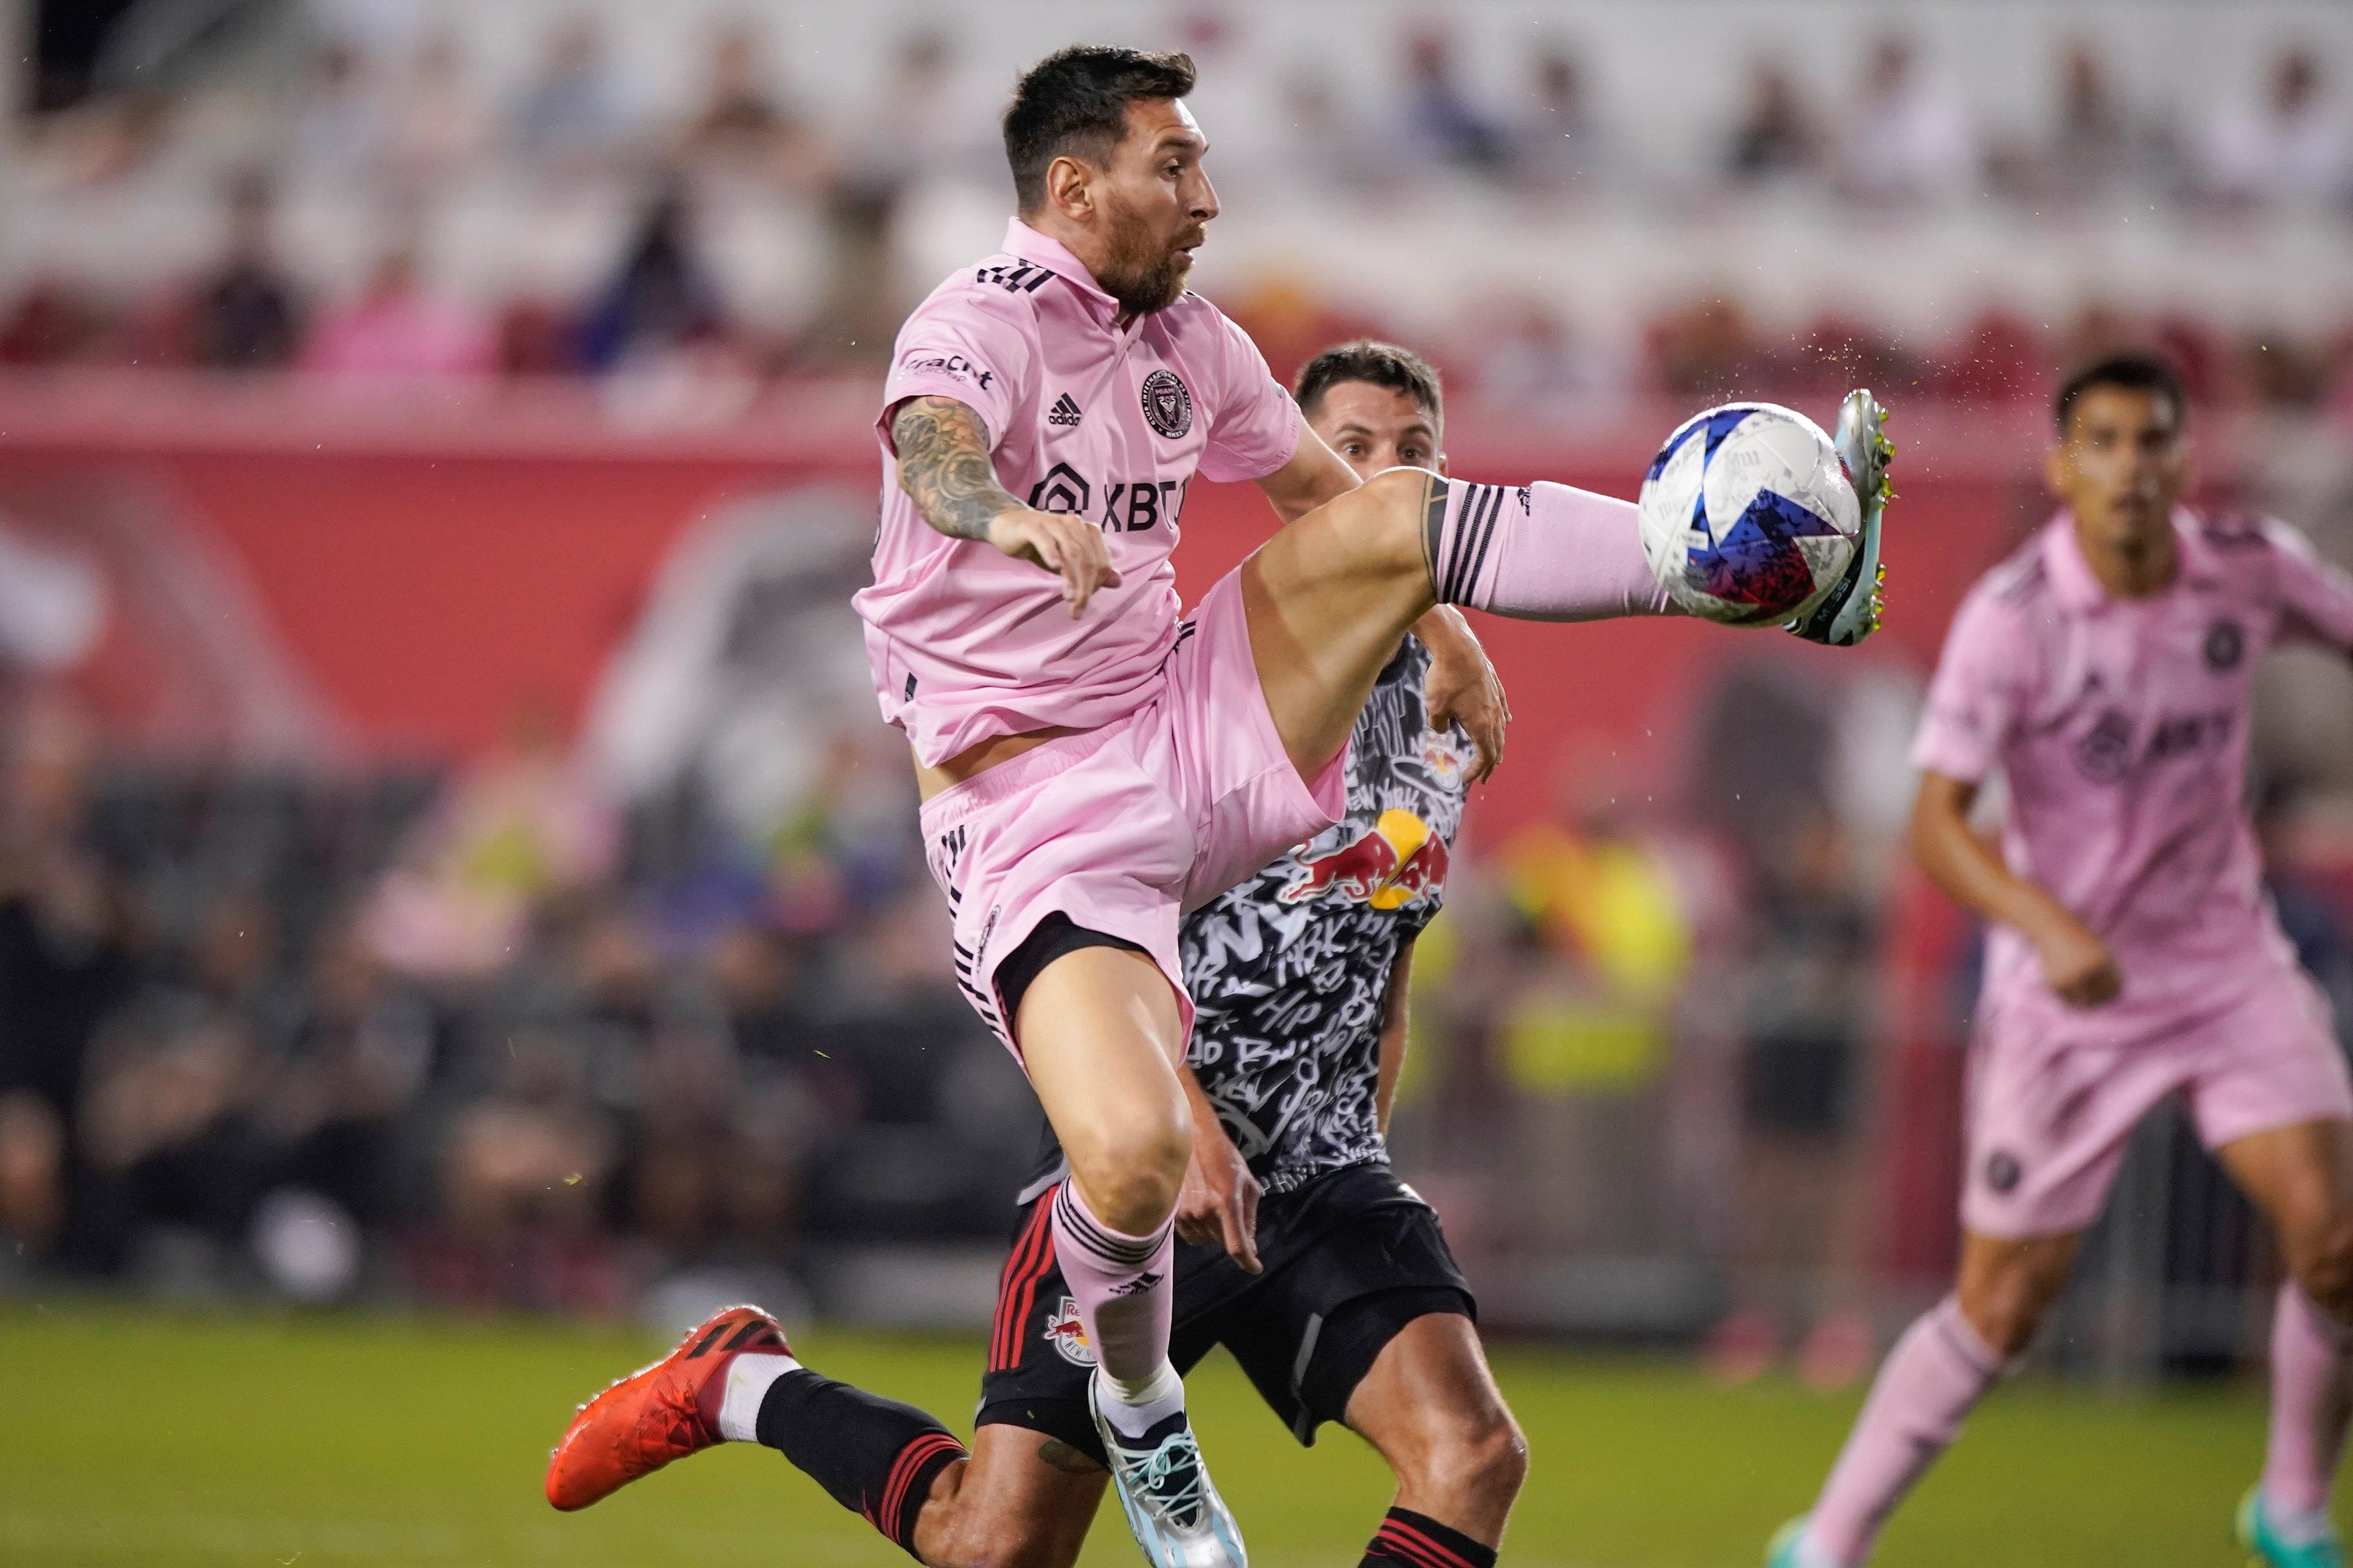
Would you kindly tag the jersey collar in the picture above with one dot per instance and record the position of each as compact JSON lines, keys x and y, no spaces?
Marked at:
{"x":1027,"y":243}
{"x":2072,"y":578}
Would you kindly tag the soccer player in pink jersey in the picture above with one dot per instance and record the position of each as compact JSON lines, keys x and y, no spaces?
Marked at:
{"x":1091,"y":765}
{"x":2105,"y":670}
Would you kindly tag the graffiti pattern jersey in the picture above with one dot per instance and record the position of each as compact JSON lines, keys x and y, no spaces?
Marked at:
{"x":1287,"y":971}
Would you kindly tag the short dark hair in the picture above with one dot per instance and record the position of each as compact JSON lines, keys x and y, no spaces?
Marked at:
{"x":2146,"y":373}
{"x":1379,"y":364}
{"x":1075,"y":101}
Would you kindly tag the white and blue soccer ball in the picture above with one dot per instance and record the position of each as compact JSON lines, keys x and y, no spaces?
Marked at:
{"x":1747,"y":517}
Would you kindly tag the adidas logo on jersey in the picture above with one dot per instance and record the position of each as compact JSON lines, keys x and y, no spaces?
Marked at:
{"x":1064,"y":413}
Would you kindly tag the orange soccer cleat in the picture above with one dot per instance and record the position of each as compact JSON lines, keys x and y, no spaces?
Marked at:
{"x":658,"y":1414}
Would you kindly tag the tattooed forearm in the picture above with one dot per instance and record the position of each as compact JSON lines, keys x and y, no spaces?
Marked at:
{"x":1058,"y":1455}
{"x":943,"y":466}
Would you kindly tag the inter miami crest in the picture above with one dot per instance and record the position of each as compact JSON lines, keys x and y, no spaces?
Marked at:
{"x":2103,"y":752}
{"x":2225,"y":646}
{"x":1167,"y":407}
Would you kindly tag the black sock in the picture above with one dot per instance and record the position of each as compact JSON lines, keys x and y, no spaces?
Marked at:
{"x":875,"y":1456}
{"x":1418,"y":1540}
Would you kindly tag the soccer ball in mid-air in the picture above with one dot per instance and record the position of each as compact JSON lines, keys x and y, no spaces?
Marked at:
{"x":1748,"y":516}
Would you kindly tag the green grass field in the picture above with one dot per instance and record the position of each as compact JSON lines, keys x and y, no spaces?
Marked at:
{"x":141,"y":1437}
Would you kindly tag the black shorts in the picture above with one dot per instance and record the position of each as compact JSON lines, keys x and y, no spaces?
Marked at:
{"x":1350,"y":1259}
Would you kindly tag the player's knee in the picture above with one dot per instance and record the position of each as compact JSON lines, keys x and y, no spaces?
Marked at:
{"x":2005,"y":1310}
{"x":1495,"y":1460}
{"x":2323,"y":1259}
{"x":1131,"y":1171}
{"x":1477,"y":1464}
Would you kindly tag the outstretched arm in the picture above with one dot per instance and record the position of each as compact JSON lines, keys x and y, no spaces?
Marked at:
{"x":2076,"y":960}
{"x":945,"y":469}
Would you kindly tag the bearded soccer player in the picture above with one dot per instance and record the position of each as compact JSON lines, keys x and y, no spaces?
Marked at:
{"x":2105,"y":670}
{"x":1334,"y":1289}
{"x":1090,"y":767}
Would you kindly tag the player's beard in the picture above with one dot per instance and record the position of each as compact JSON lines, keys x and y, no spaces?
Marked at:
{"x":1142,"y":272}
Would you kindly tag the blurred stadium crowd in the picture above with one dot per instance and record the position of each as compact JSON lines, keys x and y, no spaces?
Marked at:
{"x":497,"y":1033}
{"x":371,"y":190}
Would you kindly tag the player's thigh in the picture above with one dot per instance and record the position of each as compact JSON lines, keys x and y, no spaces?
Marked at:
{"x":1101,"y":1033}
{"x":2272,"y":1098}
{"x":1328,"y":598}
{"x":1023,"y":1500}
{"x":1430,"y":1403}
{"x":2301,"y":1177}
{"x":2007,"y":1284}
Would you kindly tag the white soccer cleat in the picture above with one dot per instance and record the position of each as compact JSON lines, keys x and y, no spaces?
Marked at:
{"x":1851,"y":610}
{"x":1177,"y":1517}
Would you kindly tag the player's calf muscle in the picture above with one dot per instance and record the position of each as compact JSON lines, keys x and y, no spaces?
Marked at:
{"x":1003,"y":1510}
{"x":1431,"y":1408}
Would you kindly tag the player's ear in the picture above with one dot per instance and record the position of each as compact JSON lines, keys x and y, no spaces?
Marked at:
{"x":1439,"y":463}
{"x":1070,"y":187}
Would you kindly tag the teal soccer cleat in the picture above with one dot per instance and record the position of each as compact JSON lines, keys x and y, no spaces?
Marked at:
{"x":1176,"y":1513}
{"x":1849,"y":612}
{"x":1790,"y":1549}
{"x":2260,"y":1537}
{"x":1785,"y":1551}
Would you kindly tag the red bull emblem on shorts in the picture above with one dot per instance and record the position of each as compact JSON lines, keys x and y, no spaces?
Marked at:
{"x":1396,"y":861}
{"x":1068,"y":1335}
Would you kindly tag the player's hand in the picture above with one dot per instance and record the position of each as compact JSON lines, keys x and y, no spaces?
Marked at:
{"x":1063,"y":543}
{"x":1463,"y":686}
{"x":1219,"y":1202}
{"x":2079,"y":965}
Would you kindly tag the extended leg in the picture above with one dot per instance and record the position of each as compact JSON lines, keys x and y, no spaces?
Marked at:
{"x":1017,"y":1500}
{"x":2302,"y":1178}
{"x":1930,"y":1381}
{"x":1431,"y":1408}
{"x":1329,"y":596}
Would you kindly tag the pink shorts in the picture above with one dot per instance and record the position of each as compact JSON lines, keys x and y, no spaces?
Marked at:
{"x":2053,"y":1094}
{"x":1125,"y":828}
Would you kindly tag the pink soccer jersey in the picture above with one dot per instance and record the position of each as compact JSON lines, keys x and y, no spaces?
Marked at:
{"x":1084,"y":416}
{"x":2120,"y":727}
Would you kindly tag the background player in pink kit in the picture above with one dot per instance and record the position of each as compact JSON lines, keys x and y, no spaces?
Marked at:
{"x":2106,"y":670}
{"x":1091,"y":768}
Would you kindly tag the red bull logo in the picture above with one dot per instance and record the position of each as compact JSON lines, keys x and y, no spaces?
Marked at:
{"x":1068,"y":1335}
{"x":1399,"y":859}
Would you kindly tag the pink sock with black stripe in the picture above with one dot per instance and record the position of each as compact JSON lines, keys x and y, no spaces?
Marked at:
{"x":1123,"y":1286}
{"x":1538,"y":553}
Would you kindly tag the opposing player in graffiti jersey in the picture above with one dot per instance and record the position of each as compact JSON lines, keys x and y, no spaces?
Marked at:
{"x":2106,"y":671}
{"x":1092,"y":767}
